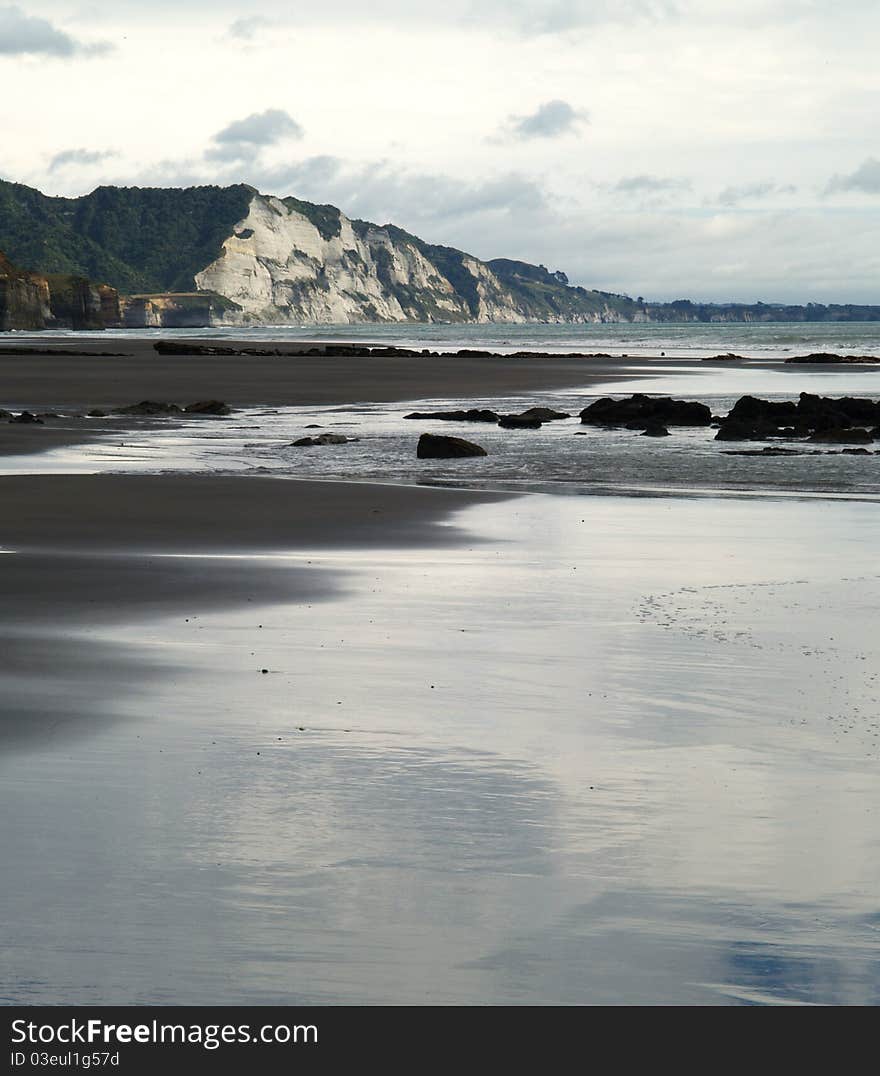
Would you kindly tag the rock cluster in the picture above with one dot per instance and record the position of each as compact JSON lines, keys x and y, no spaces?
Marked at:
{"x":823,"y":419}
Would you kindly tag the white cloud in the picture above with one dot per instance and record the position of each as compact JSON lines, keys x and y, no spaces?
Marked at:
{"x":249,"y":27}
{"x":865,"y":179}
{"x":28,"y":35}
{"x":549,"y":120}
{"x":752,"y":192}
{"x":244,"y":138}
{"x":80,"y":157}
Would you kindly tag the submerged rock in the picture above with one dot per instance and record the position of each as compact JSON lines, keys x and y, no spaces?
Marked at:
{"x":439,"y":447}
{"x":323,"y":439}
{"x":207,"y":407}
{"x":772,"y":451}
{"x":519,"y":422}
{"x":544,"y":414}
{"x":655,"y":429}
{"x":474,"y":414}
{"x":148,"y":407}
{"x":26,"y":419}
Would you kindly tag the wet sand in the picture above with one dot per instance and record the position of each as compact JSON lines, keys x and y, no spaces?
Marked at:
{"x":86,"y":551}
{"x":564,"y":750}
{"x":625,"y":751}
{"x":55,"y":381}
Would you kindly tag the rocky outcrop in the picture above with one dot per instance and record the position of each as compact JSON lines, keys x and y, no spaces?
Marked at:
{"x":24,"y":298}
{"x":152,"y":408}
{"x":544,"y":414}
{"x":180,"y":310}
{"x":439,"y":447}
{"x":640,"y":411}
{"x":474,"y":414}
{"x":821,"y":417}
{"x":30,"y":300}
{"x":519,"y":422}
{"x":323,"y":439}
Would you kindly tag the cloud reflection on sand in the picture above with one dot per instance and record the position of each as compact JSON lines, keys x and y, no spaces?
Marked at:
{"x":484,"y":774}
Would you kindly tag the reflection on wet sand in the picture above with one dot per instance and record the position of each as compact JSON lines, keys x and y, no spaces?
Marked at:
{"x":590,"y":759}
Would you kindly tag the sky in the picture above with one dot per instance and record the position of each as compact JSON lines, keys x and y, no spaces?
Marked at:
{"x":704,"y":149}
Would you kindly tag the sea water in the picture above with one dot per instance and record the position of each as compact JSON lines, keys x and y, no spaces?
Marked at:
{"x":758,"y":340}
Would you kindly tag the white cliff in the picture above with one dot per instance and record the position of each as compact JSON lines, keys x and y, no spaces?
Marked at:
{"x":279,"y":266}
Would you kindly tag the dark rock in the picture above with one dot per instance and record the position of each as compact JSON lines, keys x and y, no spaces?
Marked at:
{"x":745,"y":431}
{"x":822,"y":411}
{"x":323,"y":439}
{"x":148,"y":407}
{"x":207,"y":407}
{"x":473,"y":415}
{"x":856,"y":452}
{"x":27,"y":419}
{"x":772,"y":451}
{"x":639,"y":411}
{"x":655,"y":429}
{"x":519,"y":422}
{"x":842,"y":437}
{"x":752,"y":418}
{"x":5,"y":414}
{"x":754,"y":409}
{"x":96,"y":412}
{"x":314,"y":426}
{"x":544,"y":414}
{"x":829,"y":358}
{"x":438,"y":447}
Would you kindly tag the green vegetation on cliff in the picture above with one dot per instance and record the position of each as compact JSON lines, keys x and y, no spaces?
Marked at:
{"x":137,"y":239}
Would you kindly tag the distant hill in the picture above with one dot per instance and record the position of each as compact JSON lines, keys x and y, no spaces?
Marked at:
{"x":230,"y":255}
{"x":277,"y":260}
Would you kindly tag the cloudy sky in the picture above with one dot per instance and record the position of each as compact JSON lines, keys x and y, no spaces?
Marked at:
{"x":668,"y":148}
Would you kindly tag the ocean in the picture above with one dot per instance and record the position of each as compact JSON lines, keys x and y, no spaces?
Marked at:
{"x":774,"y":340}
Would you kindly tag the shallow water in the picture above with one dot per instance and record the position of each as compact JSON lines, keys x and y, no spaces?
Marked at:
{"x":764,"y":340}
{"x":624,"y":751}
{"x":258,"y":441}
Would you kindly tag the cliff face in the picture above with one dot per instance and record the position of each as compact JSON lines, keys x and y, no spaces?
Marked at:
{"x":24,"y":298}
{"x":290,"y":261}
{"x":34,"y":301}
{"x":192,"y":310}
{"x":269,"y":260}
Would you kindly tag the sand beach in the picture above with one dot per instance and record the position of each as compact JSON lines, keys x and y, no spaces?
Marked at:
{"x":281,"y":738}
